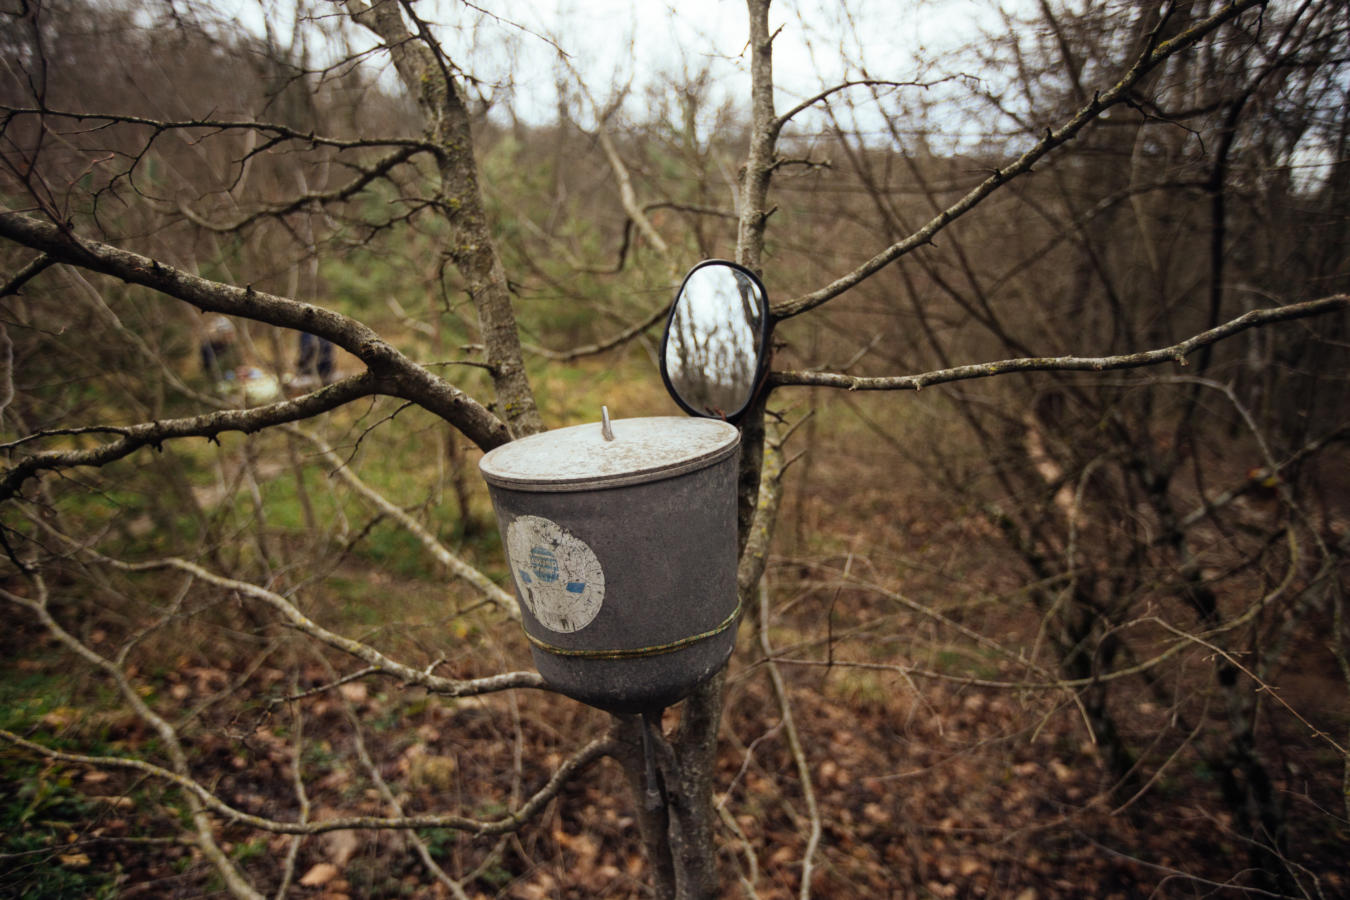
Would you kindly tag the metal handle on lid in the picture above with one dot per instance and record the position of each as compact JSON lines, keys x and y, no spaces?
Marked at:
{"x":605,"y":430}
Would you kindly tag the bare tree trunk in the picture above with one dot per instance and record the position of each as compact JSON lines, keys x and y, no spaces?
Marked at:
{"x":753,"y":208}
{"x":692,"y":802}
{"x":685,"y":865}
{"x":653,"y":814}
{"x":671,"y":785}
{"x":427,"y":76}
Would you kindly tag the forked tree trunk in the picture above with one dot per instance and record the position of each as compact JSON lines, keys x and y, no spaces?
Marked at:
{"x":676,"y":814}
{"x":678,"y":825}
{"x":460,"y":201}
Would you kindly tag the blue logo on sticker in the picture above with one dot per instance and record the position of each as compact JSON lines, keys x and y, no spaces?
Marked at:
{"x":576,"y":587}
{"x":544,"y":564}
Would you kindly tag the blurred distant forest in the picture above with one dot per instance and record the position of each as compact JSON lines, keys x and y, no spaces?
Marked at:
{"x":1077,"y":631}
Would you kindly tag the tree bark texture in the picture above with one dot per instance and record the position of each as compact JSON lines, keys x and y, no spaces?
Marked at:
{"x":426,"y":74}
{"x":759,"y":161}
{"x":397,"y":375}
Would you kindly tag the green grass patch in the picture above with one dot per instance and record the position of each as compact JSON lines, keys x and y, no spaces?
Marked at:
{"x":41,"y":818}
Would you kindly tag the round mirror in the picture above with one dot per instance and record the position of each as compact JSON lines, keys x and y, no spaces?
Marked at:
{"x":713,"y":355}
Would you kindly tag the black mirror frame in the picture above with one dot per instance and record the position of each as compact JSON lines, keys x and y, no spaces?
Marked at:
{"x":761,"y":348}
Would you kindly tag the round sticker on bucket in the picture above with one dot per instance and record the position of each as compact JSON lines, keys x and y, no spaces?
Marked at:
{"x":558,"y":576}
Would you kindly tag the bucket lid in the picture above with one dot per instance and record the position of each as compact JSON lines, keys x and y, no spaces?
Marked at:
{"x":580,"y":457}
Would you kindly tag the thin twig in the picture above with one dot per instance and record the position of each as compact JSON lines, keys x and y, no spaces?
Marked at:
{"x":301,"y":798}
{"x":34,"y":267}
{"x":610,"y":343}
{"x":328,"y":686}
{"x":513,"y":820}
{"x":208,"y":425}
{"x":365,"y":652}
{"x":845,"y":85}
{"x":283,"y":132}
{"x":201,"y":832}
{"x":794,"y":744}
{"x":441,"y":553}
{"x":277,"y":210}
{"x":395,"y":373}
{"x":1150,"y":59}
{"x":1175,"y":353}
{"x":1261,"y":686}
{"x":373,"y":773}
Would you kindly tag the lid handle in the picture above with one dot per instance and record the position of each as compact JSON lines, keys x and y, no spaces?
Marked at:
{"x":605,"y":430}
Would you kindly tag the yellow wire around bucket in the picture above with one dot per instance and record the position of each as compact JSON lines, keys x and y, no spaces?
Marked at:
{"x":637,"y":652}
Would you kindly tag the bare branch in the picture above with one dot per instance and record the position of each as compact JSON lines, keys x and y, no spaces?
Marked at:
{"x":343,"y":192}
{"x":1102,"y":101}
{"x":636,"y":212}
{"x":1175,"y":353}
{"x":511,"y":23}
{"x":368,"y":654}
{"x":755,"y":554}
{"x":1254,"y":482}
{"x":462,"y":570}
{"x":753,"y":203}
{"x":6,"y":368}
{"x":909,"y":672}
{"x":201,"y":832}
{"x":327,"y":686}
{"x":277,"y":130}
{"x":780,"y":693}
{"x":31,"y":270}
{"x":398,"y":375}
{"x":425,"y":73}
{"x":373,"y":773}
{"x":628,"y":196}
{"x":302,"y":797}
{"x":806,"y":104}
{"x":134,"y":339}
{"x":619,"y":339}
{"x":512,"y":821}
{"x":692,"y":208}
{"x":208,"y":425}
{"x":1261,"y":686}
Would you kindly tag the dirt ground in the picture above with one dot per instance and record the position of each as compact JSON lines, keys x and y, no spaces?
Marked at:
{"x":933,"y":773}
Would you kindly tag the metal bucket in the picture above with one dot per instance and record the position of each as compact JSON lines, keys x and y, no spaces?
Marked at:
{"x":623,"y":553}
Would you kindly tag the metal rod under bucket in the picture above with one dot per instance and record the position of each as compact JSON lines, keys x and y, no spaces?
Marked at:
{"x":651,"y":719}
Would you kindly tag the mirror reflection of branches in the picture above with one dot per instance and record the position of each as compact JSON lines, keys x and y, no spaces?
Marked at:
{"x":715,"y":340}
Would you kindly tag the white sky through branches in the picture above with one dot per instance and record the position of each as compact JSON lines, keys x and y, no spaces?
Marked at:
{"x":648,"y":49}
{"x":650,"y":46}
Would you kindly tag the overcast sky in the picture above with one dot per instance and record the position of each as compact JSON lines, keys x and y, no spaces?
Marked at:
{"x":653,"y":43}
{"x":820,"y":42}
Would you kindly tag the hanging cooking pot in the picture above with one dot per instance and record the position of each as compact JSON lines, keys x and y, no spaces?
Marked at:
{"x":621,"y":540}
